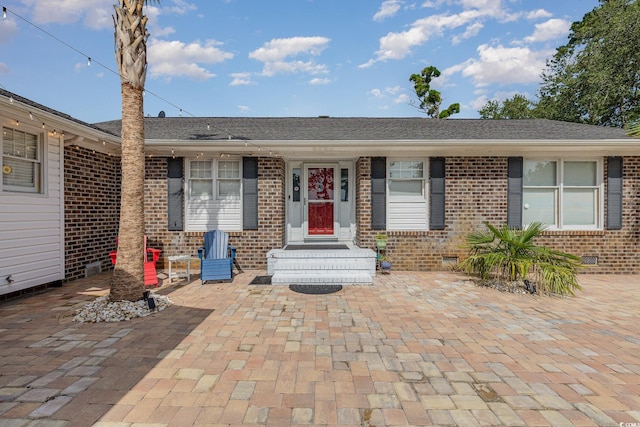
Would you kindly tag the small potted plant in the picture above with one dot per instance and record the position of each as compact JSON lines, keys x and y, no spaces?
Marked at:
{"x":385,"y":264}
{"x":381,"y":241}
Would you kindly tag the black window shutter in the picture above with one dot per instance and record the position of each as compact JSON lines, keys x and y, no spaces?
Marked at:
{"x":175,"y":194}
{"x":379,"y":193}
{"x":249,"y":193}
{"x":514,"y":192}
{"x":436,"y":193}
{"x":614,"y":193}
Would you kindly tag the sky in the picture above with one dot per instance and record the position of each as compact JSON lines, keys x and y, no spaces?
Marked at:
{"x":284,"y":58}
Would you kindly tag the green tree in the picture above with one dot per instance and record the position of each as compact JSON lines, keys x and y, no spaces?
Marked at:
{"x":517,"y":107}
{"x":131,"y":37}
{"x":431,"y":99}
{"x":594,"y":78}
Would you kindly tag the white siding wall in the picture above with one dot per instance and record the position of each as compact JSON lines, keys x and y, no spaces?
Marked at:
{"x":205,"y":215}
{"x":410,"y":216}
{"x":32,"y":229}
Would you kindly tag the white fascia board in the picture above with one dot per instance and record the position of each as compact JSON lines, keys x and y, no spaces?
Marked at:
{"x":327,"y":149}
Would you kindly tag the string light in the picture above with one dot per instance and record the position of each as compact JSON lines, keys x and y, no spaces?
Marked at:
{"x":30,"y":116}
{"x":89,"y":61}
{"x":4,"y":13}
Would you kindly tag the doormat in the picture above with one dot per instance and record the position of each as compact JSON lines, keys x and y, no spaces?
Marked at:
{"x":314,"y":247}
{"x":315,"y":289}
{"x":261,"y":280}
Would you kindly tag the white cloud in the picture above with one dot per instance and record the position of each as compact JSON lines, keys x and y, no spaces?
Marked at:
{"x":538,"y":14}
{"x":241,"y":79}
{"x":472,"y":15}
{"x":97,"y":14}
{"x":318,"y":81}
{"x":402,"y":99}
{"x":376,"y":93}
{"x":175,"y":58}
{"x":388,"y":8}
{"x":4,"y":68}
{"x":277,"y":53}
{"x":399,"y":45}
{"x":471,"y":31}
{"x":503,"y":65}
{"x":244,"y":108}
{"x":549,"y":30}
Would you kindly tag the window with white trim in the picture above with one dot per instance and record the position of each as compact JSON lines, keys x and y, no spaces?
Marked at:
{"x":211,"y":179}
{"x":563,"y":193}
{"x":21,"y":161}
{"x":407,"y":196}
{"x":201,"y":179}
{"x":406,"y":179}
{"x":228,"y":179}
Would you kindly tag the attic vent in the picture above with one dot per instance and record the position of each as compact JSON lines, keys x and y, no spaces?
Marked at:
{"x":589,"y":260}
{"x":161,"y":114}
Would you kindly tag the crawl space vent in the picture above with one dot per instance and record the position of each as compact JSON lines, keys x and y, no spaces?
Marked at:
{"x":449,"y":260}
{"x":93,"y":269}
{"x":589,"y":260}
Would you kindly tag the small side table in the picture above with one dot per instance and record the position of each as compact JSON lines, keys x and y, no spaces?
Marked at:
{"x":183,"y":258}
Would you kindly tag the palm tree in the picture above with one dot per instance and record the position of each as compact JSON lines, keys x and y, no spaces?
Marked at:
{"x":131,"y":36}
{"x":509,"y":254}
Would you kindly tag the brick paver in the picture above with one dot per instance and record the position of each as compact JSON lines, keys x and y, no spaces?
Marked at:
{"x":413,"y":348}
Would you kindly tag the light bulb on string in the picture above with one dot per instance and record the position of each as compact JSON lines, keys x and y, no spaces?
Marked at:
{"x":30,"y":116}
{"x":4,"y":13}
{"x":88,"y":61}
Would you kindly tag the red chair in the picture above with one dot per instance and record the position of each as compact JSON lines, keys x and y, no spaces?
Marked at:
{"x":151,"y":257}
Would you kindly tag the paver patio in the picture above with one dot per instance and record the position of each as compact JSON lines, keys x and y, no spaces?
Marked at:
{"x":413,"y":349}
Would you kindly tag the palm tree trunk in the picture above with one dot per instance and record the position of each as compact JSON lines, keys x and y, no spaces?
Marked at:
{"x":131,"y":56}
{"x":128,"y":275}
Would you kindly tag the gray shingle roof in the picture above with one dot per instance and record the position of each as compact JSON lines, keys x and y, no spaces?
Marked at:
{"x":363,"y":128}
{"x":41,"y":107}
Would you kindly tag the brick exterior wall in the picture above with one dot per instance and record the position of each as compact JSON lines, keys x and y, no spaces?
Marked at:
{"x":476,"y":191}
{"x":252,"y":245}
{"x":91,"y":209}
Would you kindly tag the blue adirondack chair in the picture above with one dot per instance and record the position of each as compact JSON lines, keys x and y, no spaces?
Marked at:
{"x":216,"y":257}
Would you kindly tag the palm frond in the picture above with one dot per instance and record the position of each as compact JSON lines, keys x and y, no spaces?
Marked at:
{"x":506,"y":253}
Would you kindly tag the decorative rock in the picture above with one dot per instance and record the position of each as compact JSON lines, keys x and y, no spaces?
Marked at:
{"x":104,"y":310}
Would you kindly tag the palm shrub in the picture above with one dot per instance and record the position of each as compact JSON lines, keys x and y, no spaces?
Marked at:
{"x":510,"y":254}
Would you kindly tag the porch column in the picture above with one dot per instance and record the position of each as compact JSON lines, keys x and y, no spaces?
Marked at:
{"x":364,"y":232}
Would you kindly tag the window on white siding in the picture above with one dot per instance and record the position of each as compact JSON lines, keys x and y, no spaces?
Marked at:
{"x":203,"y":186}
{"x":200,"y":180}
{"x":228,"y":179}
{"x":406,"y":179}
{"x":407,"y":200}
{"x":21,"y":161}
{"x":563,"y":193}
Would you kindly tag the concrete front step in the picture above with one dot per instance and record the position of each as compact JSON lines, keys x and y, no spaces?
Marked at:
{"x":339,"y":266}
{"x":305,"y":278}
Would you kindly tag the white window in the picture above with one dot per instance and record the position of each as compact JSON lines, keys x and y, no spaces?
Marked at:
{"x":228,"y":179}
{"x":21,"y":161}
{"x":407,"y":196}
{"x":200,"y":180}
{"x":406,"y":179}
{"x":564,"y":194}
{"x":202,"y":184}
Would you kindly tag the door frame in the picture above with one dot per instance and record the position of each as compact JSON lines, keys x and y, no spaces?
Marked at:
{"x":336,"y":199}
